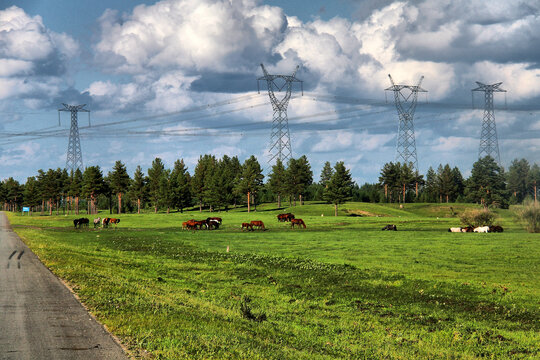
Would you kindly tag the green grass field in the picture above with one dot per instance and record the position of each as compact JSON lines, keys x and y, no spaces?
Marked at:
{"x":341,"y":288}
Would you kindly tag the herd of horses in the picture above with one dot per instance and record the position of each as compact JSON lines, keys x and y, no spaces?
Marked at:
{"x":84,"y":222}
{"x":213,"y":223}
{"x":479,"y":229}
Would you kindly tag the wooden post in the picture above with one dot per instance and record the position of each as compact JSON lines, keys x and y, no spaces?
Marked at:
{"x":386,"y":191}
{"x":403,"y":192}
{"x":416,"y":189}
{"x":535,"y":191}
{"x":249,"y":202}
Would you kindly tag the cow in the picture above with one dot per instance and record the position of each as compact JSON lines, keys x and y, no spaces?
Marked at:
{"x":298,"y":222}
{"x":467,"y":229}
{"x":257,"y":224}
{"x":285,"y":217}
{"x":481,"y":229}
{"x":390,"y":227}
{"x":97,"y":222}
{"x":455,"y":229}
{"x":496,"y":228}
{"x":247,"y":226}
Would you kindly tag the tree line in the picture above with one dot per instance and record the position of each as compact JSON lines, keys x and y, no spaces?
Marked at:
{"x":218,"y":184}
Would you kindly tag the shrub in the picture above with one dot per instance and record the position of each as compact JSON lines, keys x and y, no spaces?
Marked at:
{"x":529,"y":215}
{"x":477,"y":218}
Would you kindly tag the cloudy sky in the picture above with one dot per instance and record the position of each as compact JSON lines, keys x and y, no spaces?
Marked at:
{"x":177,"y":78}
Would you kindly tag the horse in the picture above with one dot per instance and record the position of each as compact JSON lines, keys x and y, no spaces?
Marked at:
{"x":481,"y":229}
{"x":467,"y":229}
{"x":285,"y":217}
{"x":247,"y":226}
{"x":258,"y":224}
{"x":455,"y":229}
{"x":97,"y":222}
{"x":196,"y":224}
{"x":390,"y":227}
{"x":105,"y":222}
{"x":114,"y":221}
{"x":212,"y":224}
{"x":81,"y":222}
{"x":298,"y":222}
{"x":218,"y":219}
{"x":496,"y":228}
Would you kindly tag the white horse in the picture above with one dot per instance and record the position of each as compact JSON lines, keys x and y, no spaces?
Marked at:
{"x":456,"y":229}
{"x":481,"y":229}
{"x":97,"y":222}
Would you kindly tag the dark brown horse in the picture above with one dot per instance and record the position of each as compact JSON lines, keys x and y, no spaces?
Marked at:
{"x":298,"y":222}
{"x":285,"y":217}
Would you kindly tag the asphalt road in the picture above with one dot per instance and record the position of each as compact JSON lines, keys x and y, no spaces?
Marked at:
{"x":39,"y":317}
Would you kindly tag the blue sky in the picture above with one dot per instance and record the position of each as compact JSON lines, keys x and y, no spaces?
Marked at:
{"x":177,"y":78}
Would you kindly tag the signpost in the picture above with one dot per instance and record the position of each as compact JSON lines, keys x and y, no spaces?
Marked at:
{"x":26,"y":209}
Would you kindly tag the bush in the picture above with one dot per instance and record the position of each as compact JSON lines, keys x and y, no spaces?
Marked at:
{"x":477,"y":218}
{"x":529,"y":215}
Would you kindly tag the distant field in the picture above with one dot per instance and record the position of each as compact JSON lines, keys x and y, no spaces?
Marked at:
{"x":341,"y":288}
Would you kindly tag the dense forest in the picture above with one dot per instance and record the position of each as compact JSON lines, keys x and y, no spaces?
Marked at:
{"x":219,"y":184}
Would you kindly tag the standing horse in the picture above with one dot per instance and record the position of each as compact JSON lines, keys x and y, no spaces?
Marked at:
{"x":298,"y":222}
{"x":257,"y":224}
{"x":247,"y":226}
{"x":97,"y":222}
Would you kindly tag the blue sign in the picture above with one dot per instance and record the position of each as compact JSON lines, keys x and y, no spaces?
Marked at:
{"x":26,"y":209}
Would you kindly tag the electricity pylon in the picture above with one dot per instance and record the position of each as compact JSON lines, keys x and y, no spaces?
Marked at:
{"x":74,"y":153}
{"x":406,"y":105}
{"x":280,"y":138}
{"x":489,"y":144}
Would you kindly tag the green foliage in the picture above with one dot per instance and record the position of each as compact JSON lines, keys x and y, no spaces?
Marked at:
{"x":298,"y":176}
{"x":181,"y":185}
{"x":277,"y":180}
{"x":486,"y":185}
{"x":155,"y":186}
{"x":138,"y":188}
{"x":529,"y":215}
{"x":326,"y":173}
{"x":251,"y":179}
{"x":339,"y":188}
{"x":475,"y":218}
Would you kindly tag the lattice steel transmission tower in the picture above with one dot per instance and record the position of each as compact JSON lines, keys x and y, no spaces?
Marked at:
{"x":74,"y":153}
{"x":489,"y":144}
{"x":280,"y":138}
{"x":406,"y":105}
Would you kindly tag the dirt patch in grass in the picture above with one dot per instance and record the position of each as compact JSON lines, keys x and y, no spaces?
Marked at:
{"x":362,"y":213}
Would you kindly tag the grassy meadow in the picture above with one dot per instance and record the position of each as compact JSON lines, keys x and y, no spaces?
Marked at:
{"x":340,"y":289}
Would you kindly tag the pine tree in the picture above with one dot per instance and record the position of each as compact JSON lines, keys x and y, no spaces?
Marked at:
{"x":517,"y":175}
{"x":445,"y":182}
{"x":75,"y":187}
{"x":155,"y":174}
{"x":119,"y":181}
{"x":277,"y":180}
{"x":459,"y":183}
{"x":533,"y":180}
{"x":31,"y":193}
{"x":180,"y":183}
{"x":299,"y":177}
{"x":251,"y":180}
{"x":326,"y":174}
{"x":486,"y":184}
{"x":201,"y":178}
{"x":138,"y":187}
{"x":93,"y":185}
{"x":339,"y":187}
{"x":431,"y":190}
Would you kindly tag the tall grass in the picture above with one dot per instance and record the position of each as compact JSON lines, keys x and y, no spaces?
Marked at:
{"x":529,"y":215}
{"x":477,"y":218}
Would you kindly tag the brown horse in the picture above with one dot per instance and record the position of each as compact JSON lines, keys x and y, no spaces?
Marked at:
{"x":195,"y":224}
{"x":218,"y":219}
{"x":298,"y":222}
{"x":114,"y":221}
{"x":285,"y":217}
{"x":247,"y":226}
{"x":257,"y":224}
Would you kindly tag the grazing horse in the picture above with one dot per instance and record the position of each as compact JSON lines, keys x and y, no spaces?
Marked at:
{"x":390,"y":227}
{"x":467,"y":229}
{"x":298,"y":222}
{"x":114,"y":221}
{"x":78,"y":223}
{"x":247,"y":226}
{"x":481,"y":229}
{"x":97,"y":222}
{"x":195,"y":224}
{"x":105,"y":222}
{"x":218,"y":219}
{"x":212,"y":224}
{"x":455,"y":229}
{"x":285,"y":217}
{"x":257,"y":224}
{"x":496,"y":228}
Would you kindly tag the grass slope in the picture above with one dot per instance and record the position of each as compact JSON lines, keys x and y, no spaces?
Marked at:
{"x":339,"y":289}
